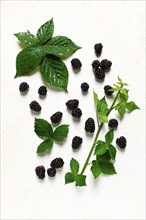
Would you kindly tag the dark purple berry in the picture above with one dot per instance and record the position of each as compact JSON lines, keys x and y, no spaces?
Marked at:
{"x":76,"y":64}
{"x":121,"y":142}
{"x":42,"y":90}
{"x":76,"y":142}
{"x":23,"y":87}
{"x":56,"y":117}
{"x":90,"y":125}
{"x":57,"y":163}
{"x":113,"y":123}
{"x":51,"y":172}
{"x":72,"y":104}
{"x":106,"y":89}
{"x":98,"y":48}
{"x":84,"y":87}
{"x":35,"y":106}
{"x":40,"y":172}
{"x":77,"y":113}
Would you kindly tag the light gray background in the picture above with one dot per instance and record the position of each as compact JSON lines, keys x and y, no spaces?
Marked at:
{"x":120,"y":27}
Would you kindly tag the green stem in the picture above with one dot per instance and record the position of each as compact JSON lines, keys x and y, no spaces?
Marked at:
{"x":98,"y":132}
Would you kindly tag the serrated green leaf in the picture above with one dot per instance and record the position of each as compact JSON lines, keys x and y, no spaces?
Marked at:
{"x":131,"y":106}
{"x":95,"y":169}
{"x":124,"y":95}
{"x":69,"y":178}
{"x":45,"y":32}
{"x":80,"y":180}
{"x":101,"y":149}
{"x":103,"y":117}
{"x":121,"y":107}
{"x":60,"y":133}
{"x":112,"y":151}
{"x":107,"y":168}
{"x":102,"y":106}
{"x":54,"y":72}
{"x":74,"y":166}
{"x":27,"y":38}
{"x":61,"y":46}
{"x":109,"y":137}
{"x":104,"y":158}
{"x":95,"y":99}
{"x":28,"y":60}
{"x":45,"y":146}
{"x":43,"y":128}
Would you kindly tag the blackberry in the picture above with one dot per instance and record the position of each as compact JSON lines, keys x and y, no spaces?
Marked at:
{"x":57,"y":163}
{"x":84,"y":87}
{"x":56,"y":117}
{"x":90,"y":125}
{"x":35,"y":106}
{"x":40,"y":172}
{"x":113,"y":123}
{"x":121,"y":142}
{"x":98,"y":48}
{"x":95,"y":64}
{"x":76,"y":64}
{"x":23,"y":87}
{"x":76,"y":142}
{"x":42,"y":91}
{"x":105,"y":64}
{"x":77,"y":113}
{"x":106,"y":89}
{"x":99,"y":74}
{"x":72,"y":104}
{"x":51,"y":172}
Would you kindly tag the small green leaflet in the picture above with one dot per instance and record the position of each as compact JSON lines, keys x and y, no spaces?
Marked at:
{"x":74,"y":166}
{"x":45,"y":131}
{"x":101,"y":149}
{"x":69,"y":178}
{"x":95,"y":169}
{"x":80,"y":180}
{"x":54,"y":72}
{"x":45,"y":32}
{"x":112,"y":151}
{"x":45,"y":52}
{"x":61,"y":133}
{"x":131,"y":106}
{"x":107,"y":168}
{"x":27,"y":38}
{"x":109,"y":136}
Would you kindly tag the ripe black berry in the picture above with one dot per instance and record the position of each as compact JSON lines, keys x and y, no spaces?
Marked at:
{"x":90,"y":125}
{"x":72,"y":104}
{"x":84,"y":87}
{"x":57,"y":163}
{"x":76,"y":142}
{"x":56,"y":117}
{"x":98,"y":48}
{"x":105,"y":64}
{"x":77,"y":113}
{"x":51,"y":172}
{"x":113,"y":123}
{"x":95,"y":64}
{"x":23,"y":87}
{"x":35,"y":106}
{"x":76,"y":64}
{"x":106,"y":89}
{"x":42,"y":90}
{"x":99,"y":74}
{"x":121,"y":142}
{"x":40,"y":172}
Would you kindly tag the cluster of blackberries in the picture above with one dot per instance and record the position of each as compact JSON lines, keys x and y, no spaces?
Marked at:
{"x":55,"y":164}
{"x":72,"y":105}
{"x":100,"y":68}
{"x":34,"y":105}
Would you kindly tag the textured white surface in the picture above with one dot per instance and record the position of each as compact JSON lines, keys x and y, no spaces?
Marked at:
{"x":120,"y":28}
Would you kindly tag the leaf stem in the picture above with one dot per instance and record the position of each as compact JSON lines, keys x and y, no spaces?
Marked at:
{"x":98,"y":132}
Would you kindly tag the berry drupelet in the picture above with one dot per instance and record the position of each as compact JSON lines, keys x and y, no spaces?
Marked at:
{"x":95,"y":64}
{"x":90,"y":125}
{"x":76,"y":64}
{"x":42,"y":91}
{"x":98,"y":48}
{"x":72,"y":104}
{"x":113,"y":123}
{"x":84,"y":87}
{"x":99,"y":74}
{"x":35,"y":106}
{"x":57,"y":163}
{"x":23,"y":87}
{"x":76,"y":142}
{"x":40,"y":172}
{"x":105,"y":64}
{"x":121,"y":142}
{"x":106,"y":90}
{"x":51,"y":172}
{"x":76,"y":113}
{"x":56,"y":117}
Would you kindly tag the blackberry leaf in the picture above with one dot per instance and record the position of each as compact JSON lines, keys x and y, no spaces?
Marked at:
{"x":60,"y":133}
{"x":43,"y":128}
{"x":131,"y":106}
{"x":74,"y":165}
{"x":27,"y":38}
{"x":45,"y":32}
{"x":112,"y":151}
{"x":107,"y":168}
{"x":109,"y":137}
{"x":95,"y":169}
{"x":44,"y":146}
{"x":54,"y":72}
{"x":80,"y":180}
{"x":69,"y":178}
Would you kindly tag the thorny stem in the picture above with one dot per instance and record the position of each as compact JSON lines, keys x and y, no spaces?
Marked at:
{"x":98,"y":132}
